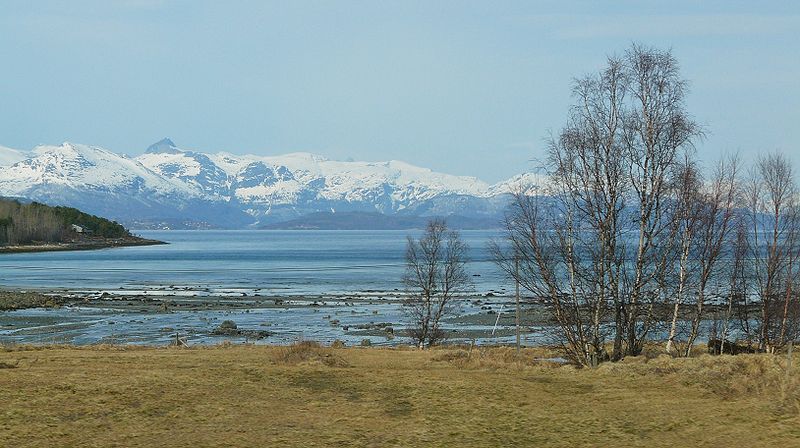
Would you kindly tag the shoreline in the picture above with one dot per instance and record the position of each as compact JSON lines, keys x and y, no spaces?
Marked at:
{"x":81,"y":245}
{"x":87,"y":318}
{"x":178,"y":299}
{"x":82,"y":319}
{"x":159,"y":300}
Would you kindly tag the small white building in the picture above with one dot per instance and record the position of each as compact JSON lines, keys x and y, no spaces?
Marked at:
{"x":78,"y":229}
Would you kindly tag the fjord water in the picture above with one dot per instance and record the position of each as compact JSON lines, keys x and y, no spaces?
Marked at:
{"x":313,"y":272}
{"x":234,"y":262}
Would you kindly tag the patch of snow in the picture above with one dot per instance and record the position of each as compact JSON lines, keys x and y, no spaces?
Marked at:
{"x":10,"y":156}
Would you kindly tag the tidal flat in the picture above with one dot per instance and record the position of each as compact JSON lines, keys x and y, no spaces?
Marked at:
{"x":159,"y":317}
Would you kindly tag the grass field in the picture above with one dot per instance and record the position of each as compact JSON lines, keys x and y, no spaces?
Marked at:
{"x":312,"y":396}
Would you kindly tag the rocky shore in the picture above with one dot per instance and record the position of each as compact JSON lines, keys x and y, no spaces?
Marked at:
{"x":16,"y":300}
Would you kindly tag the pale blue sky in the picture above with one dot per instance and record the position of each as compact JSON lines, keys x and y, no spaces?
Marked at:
{"x":462,"y":87}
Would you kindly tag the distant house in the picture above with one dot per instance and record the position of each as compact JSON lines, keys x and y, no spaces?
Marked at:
{"x":80,"y":229}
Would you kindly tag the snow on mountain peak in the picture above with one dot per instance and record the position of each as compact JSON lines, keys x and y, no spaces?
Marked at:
{"x":526,"y":183}
{"x":10,"y":156}
{"x":79,"y":167}
{"x":304,"y":179}
{"x":177,"y":182}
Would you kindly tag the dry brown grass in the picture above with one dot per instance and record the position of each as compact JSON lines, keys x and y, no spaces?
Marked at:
{"x":308,"y":352}
{"x":277,"y":396}
{"x":8,"y":365}
{"x":728,"y":377}
{"x":496,"y":357}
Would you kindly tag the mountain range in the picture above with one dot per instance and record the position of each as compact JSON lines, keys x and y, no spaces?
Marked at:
{"x":170,"y":187}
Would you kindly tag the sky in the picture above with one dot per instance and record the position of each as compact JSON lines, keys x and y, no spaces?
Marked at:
{"x":468,"y":88}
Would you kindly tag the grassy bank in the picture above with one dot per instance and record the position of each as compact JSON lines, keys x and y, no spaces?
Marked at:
{"x":311,"y":396}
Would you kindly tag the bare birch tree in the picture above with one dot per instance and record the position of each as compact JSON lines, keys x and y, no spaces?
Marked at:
{"x":568,"y":249}
{"x":737,"y":278}
{"x":598,"y":253}
{"x":685,"y":221}
{"x":658,"y":131}
{"x":435,"y":277}
{"x":716,"y":219}
{"x":543,"y":255}
{"x":774,"y":234}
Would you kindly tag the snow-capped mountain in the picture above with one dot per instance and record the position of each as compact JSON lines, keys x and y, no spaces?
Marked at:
{"x":170,"y":185}
{"x":108,"y":184}
{"x":191,"y":170}
{"x":526,"y":183}
{"x":10,"y":156}
{"x":86,"y":168}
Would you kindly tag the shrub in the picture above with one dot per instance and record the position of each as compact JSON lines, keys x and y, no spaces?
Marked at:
{"x":497,"y":357}
{"x":308,"y":352}
{"x":730,"y":377}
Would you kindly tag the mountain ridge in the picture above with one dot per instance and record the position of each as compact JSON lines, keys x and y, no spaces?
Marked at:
{"x":168,"y":185}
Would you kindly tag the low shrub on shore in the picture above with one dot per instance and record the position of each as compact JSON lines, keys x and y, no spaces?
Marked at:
{"x":308,"y":352}
{"x":729,"y":377}
{"x":497,"y":357}
{"x":8,"y":365}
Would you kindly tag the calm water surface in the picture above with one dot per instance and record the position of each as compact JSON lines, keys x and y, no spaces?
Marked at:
{"x":276,"y":262}
{"x":301,"y":265}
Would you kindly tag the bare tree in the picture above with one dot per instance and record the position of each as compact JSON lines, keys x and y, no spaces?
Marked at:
{"x":546,"y":255}
{"x":715,"y":220}
{"x":598,"y":252}
{"x":29,"y":223}
{"x":658,"y":131}
{"x":737,"y":287}
{"x":773,"y":213}
{"x":435,"y":276}
{"x":568,"y":248}
{"x":590,"y":168}
{"x":704,"y":217}
{"x":685,"y":226}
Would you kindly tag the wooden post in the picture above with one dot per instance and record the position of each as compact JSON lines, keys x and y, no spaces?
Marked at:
{"x":516,"y":280}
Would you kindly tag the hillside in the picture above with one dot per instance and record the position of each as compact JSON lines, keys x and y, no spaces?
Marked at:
{"x":35,"y":226}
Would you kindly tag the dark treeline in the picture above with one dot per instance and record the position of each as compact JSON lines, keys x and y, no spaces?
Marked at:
{"x":22,"y":224}
{"x":630,"y":240}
